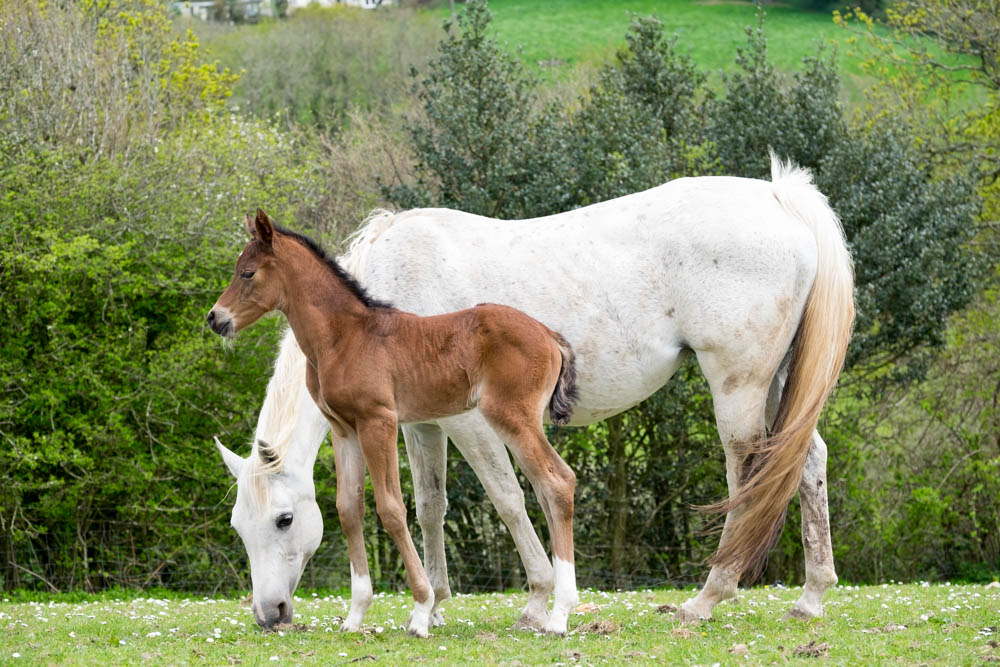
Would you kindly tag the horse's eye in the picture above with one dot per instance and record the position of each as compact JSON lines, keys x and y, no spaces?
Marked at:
{"x":284,"y":521}
{"x":247,"y":275}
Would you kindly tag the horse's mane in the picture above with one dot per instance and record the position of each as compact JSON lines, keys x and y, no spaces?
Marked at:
{"x":346,"y":278}
{"x":276,"y":421}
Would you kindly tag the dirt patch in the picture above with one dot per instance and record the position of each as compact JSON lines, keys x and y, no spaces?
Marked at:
{"x":739,"y":649}
{"x":666,"y":609}
{"x":890,"y":627}
{"x":291,"y":627}
{"x":813,"y":649}
{"x":682,"y":632}
{"x":486,"y":636}
{"x":597,"y":628}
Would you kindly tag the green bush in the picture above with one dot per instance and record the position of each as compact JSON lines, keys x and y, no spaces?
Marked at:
{"x":486,"y":146}
{"x":116,"y":241}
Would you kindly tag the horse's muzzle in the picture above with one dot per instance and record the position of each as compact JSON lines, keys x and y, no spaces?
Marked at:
{"x":273,"y":615}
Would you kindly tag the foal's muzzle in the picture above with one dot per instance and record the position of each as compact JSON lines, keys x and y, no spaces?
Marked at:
{"x":221,"y":323}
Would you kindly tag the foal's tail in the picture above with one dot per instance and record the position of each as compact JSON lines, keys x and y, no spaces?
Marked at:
{"x":565,"y":394}
{"x":818,"y":350}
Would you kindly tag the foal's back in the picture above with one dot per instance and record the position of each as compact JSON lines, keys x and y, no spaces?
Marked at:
{"x":444,"y":364}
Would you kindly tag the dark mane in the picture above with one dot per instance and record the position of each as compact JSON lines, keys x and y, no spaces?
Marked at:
{"x":349,"y":281}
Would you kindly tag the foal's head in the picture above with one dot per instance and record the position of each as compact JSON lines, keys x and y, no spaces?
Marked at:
{"x":256,"y":288}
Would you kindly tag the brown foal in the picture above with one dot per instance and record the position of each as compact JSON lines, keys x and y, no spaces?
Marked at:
{"x":371,"y":367}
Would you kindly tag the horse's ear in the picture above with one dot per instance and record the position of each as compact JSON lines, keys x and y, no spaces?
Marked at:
{"x":251,"y":228}
{"x":267,"y":454}
{"x":234,"y":462}
{"x":265,"y":230}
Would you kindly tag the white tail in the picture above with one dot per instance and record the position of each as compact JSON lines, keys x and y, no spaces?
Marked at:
{"x":818,"y":352}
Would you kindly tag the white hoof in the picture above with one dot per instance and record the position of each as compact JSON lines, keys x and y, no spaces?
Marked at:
{"x":350,"y":626}
{"x":420,"y":619}
{"x":437,"y":620}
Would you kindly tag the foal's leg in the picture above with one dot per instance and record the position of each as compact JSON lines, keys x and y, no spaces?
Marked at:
{"x":485,"y":453}
{"x":739,"y":415}
{"x":549,"y":473}
{"x":377,"y":434}
{"x":820,"y":574}
{"x":351,"y":510}
{"x":427,"y":449}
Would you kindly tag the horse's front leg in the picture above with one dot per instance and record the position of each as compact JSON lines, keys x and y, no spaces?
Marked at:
{"x":486,"y":455}
{"x":377,"y":433}
{"x":427,"y":449}
{"x":351,"y":510}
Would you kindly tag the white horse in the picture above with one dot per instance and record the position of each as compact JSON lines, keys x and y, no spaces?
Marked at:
{"x":753,"y":277}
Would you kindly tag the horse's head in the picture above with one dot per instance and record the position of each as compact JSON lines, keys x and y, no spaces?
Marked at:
{"x":277,"y":518}
{"x":255,"y":289}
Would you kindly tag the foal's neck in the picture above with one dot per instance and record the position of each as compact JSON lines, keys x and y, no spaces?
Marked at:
{"x":320,"y":305}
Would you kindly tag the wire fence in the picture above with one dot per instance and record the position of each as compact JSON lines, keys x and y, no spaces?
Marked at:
{"x":196,"y":551}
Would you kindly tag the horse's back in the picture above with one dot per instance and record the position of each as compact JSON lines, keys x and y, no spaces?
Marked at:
{"x":696,"y":263}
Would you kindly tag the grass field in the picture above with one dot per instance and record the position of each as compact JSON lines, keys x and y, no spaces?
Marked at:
{"x":588,"y":31}
{"x":557,"y":35}
{"x":908,"y":624}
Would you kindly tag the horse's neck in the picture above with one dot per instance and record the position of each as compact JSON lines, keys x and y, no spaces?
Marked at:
{"x":289,"y":419}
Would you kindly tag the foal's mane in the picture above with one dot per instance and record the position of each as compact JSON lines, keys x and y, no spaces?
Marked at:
{"x":349,"y":281}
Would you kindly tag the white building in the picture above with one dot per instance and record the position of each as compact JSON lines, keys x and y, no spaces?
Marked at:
{"x":208,"y":9}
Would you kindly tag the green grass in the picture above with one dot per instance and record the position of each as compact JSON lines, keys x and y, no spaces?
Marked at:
{"x":571,"y":32}
{"x":911,"y":624}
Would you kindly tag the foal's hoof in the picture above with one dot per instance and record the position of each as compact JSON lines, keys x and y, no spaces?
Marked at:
{"x":417,"y":632}
{"x":555,"y":631}
{"x":437,"y":620}
{"x":350,"y":627}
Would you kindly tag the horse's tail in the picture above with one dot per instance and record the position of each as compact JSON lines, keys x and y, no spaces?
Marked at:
{"x":817,"y":356}
{"x":566,"y":393}
{"x":355,"y":260}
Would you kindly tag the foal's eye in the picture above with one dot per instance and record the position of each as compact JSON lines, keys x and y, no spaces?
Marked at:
{"x":284,"y":521}
{"x":247,"y":275}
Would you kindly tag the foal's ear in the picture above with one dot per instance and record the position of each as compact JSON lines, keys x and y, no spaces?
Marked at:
{"x":234,"y":462}
{"x":264,"y":228}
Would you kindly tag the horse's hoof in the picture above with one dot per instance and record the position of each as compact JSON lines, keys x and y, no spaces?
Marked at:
{"x":685,"y":615}
{"x":802,"y":613}
{"x":529,"y":623}
{"x":437,"y":620}
{"x":350,"y":627}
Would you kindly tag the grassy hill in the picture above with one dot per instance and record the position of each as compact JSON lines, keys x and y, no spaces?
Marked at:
{"x":556,"y":35}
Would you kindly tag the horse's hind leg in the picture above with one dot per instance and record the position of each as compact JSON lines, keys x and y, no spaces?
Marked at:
{"x":739,"y":415}
{"x":486,"y":454}
{"x":557,"y":483}
{"x":351,"y":511}
{"x":820,"y":573}
{"x":427,"y":450}
{"x":377,"y":434}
